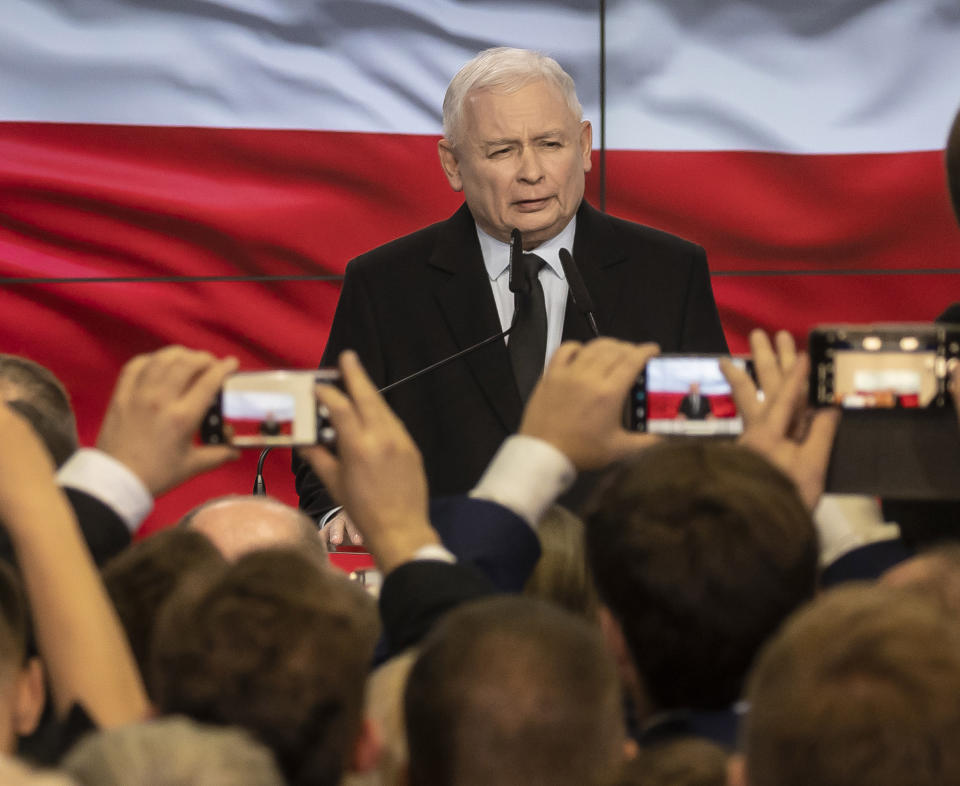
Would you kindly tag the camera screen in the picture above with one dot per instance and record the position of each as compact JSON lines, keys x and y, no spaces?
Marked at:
{"x":690,"y":396}
{"x":884,"y":380}
{"x":250,"y":415}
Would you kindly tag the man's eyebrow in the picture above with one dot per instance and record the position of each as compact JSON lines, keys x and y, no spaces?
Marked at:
{"x":498,"y":142}
{"x":551,"y":134}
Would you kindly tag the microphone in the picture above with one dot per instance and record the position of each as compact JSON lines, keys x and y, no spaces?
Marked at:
{"x":578,"y":290}
{"x":518,"y":284}
{"x":259,"y":488}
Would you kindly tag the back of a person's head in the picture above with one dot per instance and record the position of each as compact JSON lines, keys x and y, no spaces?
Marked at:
{"x":860,"y":688}
{"x":141,"y":577}
{"x":17,"y":773}
{"x":274,"y":644}
{"x":561,"y":575}
{"x":238,"y":524}
{"x":935,"y":573}
{"x":172,"y":752}
{"x":38,"y":396}
{"x":687,"y":761}
{"x":699,"y":549}
{"x":953,"y":164}
{"x":513,"y":691}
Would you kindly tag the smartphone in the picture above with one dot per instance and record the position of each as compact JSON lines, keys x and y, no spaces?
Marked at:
{"x":270,"y":408}
{"x":685,"y":395}
{"x":883,"y":366}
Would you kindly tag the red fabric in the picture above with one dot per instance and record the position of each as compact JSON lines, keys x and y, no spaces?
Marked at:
{"x":665,"y":405}
{"x":99,"y":200}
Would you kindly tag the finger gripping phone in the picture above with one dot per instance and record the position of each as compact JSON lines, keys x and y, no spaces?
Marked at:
{"x":270,"y":408}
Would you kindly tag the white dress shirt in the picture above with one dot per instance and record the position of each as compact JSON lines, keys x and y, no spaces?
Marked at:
{"x":496,"y":258}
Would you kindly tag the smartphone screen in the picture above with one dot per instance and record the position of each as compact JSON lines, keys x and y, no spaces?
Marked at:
{"x":685,"y":395}
{"x":260,"y":408}
{"x":881,"y":366}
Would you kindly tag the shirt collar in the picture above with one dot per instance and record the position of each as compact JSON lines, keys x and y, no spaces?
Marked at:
{"x":496,"y":253}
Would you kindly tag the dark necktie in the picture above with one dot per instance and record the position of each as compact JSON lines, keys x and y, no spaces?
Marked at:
{"x":528,"y":340}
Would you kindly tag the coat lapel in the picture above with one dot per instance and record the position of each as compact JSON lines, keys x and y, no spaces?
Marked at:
{"x":597,"y":253}
{"x":463,"y":294}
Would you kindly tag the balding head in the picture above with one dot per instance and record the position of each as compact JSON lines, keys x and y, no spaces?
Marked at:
{"x":238,"y":525}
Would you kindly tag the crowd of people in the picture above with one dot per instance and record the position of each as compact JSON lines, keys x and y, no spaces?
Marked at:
{"x":685,"y":628}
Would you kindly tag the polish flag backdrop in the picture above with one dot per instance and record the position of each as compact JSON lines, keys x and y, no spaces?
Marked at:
{"x":200,"y":173}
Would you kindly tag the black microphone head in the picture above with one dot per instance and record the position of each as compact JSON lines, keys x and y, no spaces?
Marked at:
{"x":578,"y":289}
{"x":517,"y":284}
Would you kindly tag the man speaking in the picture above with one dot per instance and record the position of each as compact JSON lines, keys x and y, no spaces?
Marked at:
{"x":514,"y":142}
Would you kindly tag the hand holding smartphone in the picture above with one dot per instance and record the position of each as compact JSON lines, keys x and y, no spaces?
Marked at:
{"x":270,"y":408}
{"x":685,"y":395}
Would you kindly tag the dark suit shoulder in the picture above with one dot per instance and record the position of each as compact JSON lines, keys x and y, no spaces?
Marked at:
{"x":631,"y":231}
{"x":405,"y":254}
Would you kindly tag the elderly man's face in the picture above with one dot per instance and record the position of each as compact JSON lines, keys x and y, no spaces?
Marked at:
{"x":521,"y":161}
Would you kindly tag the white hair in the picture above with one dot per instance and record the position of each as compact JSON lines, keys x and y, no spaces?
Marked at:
{"x":504,"y":70}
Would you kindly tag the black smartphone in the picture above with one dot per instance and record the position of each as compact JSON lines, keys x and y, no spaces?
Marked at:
{"x":270,"y":408}
{"x":685,"y":395}
{"x":883,"y":366}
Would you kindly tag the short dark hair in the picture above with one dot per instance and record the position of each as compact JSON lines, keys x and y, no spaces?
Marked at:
{"x":953,"y":164}
{"x":859,"y":687}
{"x":35,"y":393}
{"x":141,"y":578}
{"x":274,"y":644}
{"x":685,"y":761}
{"x":513,"y":690}
{"x":699,"y":549}
{"x":15,"y":626}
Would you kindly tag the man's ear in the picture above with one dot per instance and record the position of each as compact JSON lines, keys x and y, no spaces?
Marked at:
{"x":450,"y":164}
{"x":586,"y":144}
{"x":31,"y":697}
{"x":737,"y":770}
{"x":367,"y":748}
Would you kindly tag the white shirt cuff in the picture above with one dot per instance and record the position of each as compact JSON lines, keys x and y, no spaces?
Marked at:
{"x":846,"y":522}
{"x":526,"y":476}
{"x":328,"y":516}
{"x":111,"y":482}
{"x":434,"y":551}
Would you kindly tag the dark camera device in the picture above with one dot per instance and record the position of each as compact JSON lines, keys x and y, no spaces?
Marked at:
{"x":883,"y":366}
{"x":270,"y":408}
{"x":685,"y":395}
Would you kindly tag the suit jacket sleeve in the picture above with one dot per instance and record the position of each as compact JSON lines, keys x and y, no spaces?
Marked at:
{"x":489,"y":536}
{"x":417,"y":594}
{"x":104,"y":532}
{"x":354,"y":327}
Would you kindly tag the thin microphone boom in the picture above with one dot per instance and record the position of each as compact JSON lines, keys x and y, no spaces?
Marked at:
{"x":578,"y":290}
{"x":442,"y":363}
{"x":516,"y":285}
